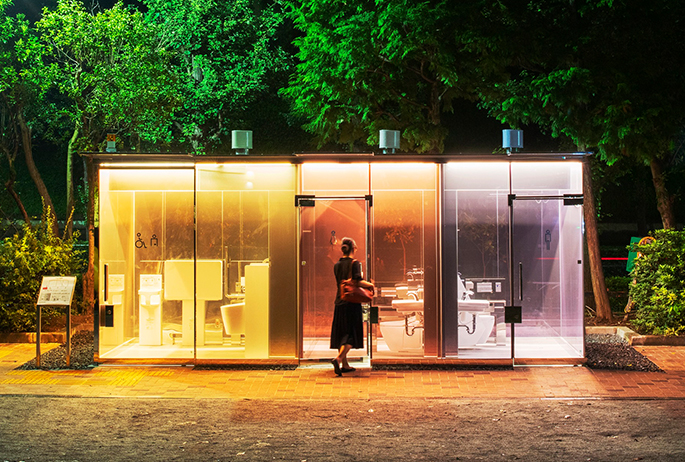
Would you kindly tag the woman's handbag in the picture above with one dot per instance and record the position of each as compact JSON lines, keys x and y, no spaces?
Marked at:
{"x":352,"y":292}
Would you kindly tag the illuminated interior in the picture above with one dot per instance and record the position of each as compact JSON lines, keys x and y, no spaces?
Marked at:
{"x":546,"y":274}
{"x":234,"y":260}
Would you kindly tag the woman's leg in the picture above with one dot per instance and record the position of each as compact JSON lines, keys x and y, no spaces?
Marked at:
{"x":342,"y":355}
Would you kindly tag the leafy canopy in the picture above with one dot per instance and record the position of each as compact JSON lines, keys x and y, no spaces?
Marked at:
{"x":394,"y":64}
{"x":112,"y":68}
{"x":225,"y":54}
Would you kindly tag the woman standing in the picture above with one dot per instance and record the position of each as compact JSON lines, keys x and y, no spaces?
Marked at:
{"x":347,"y":331}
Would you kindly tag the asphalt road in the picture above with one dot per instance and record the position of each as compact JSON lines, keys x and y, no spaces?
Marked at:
{"x":121,"y":429}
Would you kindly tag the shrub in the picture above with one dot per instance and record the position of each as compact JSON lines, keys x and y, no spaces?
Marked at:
{"x":659,"y":288}
{"x":618,"y":292}
{"x":24,"y":259}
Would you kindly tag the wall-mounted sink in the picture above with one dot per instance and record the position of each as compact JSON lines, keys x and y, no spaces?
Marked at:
{"x":407,"y":305}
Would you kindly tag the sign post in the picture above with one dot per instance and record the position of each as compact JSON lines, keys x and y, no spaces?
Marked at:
{"x":55,"y":291}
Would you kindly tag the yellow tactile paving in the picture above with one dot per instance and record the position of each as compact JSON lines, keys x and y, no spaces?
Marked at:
{"x":185,"y":382}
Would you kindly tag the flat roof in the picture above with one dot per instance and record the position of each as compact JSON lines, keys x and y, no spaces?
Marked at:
{"x":299,"y":158}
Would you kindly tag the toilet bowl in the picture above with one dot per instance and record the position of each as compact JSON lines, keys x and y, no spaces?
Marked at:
{"x":468,"y":336}
{"x":395,"y":335}
{"x":233,"y":320}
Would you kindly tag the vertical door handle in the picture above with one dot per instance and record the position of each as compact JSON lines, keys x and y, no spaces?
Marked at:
{"x":106,"y":282}
{"x":520,"y":281}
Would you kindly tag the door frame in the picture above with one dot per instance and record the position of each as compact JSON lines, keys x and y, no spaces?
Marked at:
{"x":515,"y":310}
{"x":309,"y":200}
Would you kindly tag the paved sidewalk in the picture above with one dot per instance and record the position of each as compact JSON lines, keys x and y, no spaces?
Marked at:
{"x":321,"y":383}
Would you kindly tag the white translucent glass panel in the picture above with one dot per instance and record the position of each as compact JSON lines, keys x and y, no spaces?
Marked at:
{"x":561,"y":177}
{"x":404,"y":258}
{"x":548,"y":272}
{"x":475,"y":259}
{"x":146,"y":219}
{"x":246,"y":222}
{"x":547,"y":243}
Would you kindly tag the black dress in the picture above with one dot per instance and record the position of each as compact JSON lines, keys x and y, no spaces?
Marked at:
{"x":348,"y":325}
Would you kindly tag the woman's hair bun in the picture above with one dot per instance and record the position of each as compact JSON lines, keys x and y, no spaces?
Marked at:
{"x":348,"y":245}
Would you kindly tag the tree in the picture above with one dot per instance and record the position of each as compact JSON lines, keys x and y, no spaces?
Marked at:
{"x":604,"y":74}
{"x":608,"y":75}
{"x":113,"y":70}
{"x":21,"y":93}
{"x":225,"y":55}
{"x":396,"y":64}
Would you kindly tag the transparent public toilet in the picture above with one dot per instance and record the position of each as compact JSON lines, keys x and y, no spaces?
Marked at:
{"x":206,"y":259}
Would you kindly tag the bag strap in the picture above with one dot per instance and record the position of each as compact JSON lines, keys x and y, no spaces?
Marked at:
{"x":349,"y":276}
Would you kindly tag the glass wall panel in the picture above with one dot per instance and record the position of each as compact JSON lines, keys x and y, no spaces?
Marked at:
{"x":475,"y":259}
{"x":246,"y":224}
{"x":404,"y":259}
{"x":547,"y":243}
{"x":146,"y":218}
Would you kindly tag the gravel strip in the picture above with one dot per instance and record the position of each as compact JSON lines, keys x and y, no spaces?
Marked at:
{"x":82,"y":349}
{"x":605,"y":351}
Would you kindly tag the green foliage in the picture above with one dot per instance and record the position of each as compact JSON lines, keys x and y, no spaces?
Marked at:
{"x":659,"y":290}
{"x":113,"y":72}
{"x":395,"y":64}
{"x":579,"y":78}
{"x":225,"y":57}
{"x":24,"y":259}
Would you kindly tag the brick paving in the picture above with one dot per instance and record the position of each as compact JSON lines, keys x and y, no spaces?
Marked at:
{"x":321,"y":383}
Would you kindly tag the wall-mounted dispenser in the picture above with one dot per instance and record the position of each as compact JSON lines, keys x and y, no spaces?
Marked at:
{"x":113,"y":331}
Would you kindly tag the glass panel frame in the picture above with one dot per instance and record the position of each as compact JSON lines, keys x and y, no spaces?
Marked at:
{"x":323,"y":225}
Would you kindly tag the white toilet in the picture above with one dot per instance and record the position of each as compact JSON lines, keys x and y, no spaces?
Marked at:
{"x":398,"y":340}
{"x":475,"y":318}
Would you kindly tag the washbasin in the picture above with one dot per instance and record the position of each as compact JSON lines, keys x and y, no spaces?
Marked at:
{"x":407,"y":305}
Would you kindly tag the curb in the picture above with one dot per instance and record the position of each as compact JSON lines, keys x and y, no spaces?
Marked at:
{"x":635,"y":339}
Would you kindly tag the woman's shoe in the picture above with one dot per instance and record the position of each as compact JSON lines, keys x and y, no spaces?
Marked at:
{"x":336,"y":367}
{"x":348,"y":369}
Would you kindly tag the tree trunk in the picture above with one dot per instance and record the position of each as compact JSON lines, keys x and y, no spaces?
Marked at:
{"x":33,"y":170}
{"x":89,"y":276}
{"x":9,"y":185}
{"x":592,"y":237}
{"x":68,"y":226}
{"x":664,"y":201}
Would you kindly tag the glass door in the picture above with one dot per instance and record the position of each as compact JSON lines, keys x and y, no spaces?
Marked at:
{"x":324,"y":222}
{"x":547,"y":275}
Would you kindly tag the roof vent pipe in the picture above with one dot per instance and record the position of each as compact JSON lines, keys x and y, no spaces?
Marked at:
{"x":389,"y":141}
{"x":241,"y":141}
{"x":512,"y":140}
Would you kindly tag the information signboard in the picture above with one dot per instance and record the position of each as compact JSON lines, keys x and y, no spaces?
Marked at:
{"x":56,"y":290}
